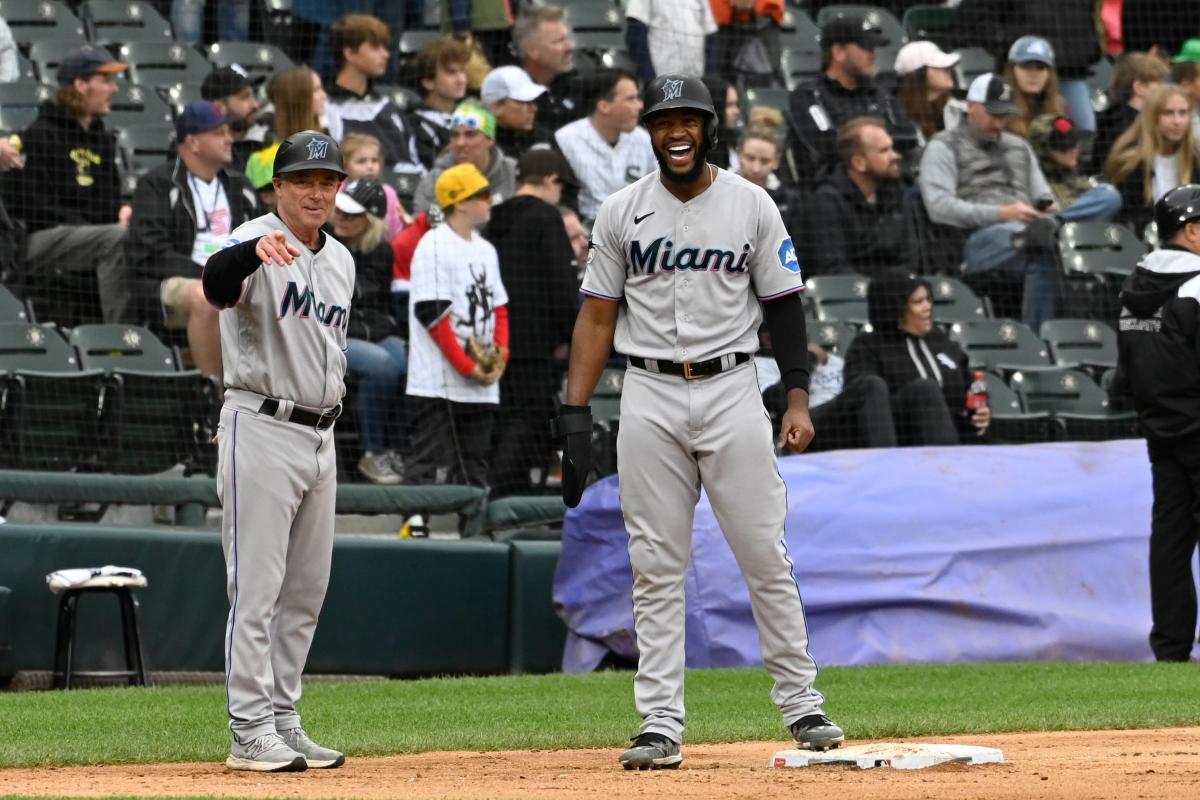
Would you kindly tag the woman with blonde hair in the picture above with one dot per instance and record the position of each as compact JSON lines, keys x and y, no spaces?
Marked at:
{"x":298,"y":103}
{"x":1156,"y":154}
{"x":1031,"y":75}
{"x":363,"y":156}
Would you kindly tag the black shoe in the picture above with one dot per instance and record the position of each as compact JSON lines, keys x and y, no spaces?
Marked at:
{"x":816,"y":732}
{"x":1040,"y":236}
{"x":652,"y":751}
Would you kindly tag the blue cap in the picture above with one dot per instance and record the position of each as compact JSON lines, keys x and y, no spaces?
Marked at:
{"x":1031,"y":48}
{"x":199,"y":117}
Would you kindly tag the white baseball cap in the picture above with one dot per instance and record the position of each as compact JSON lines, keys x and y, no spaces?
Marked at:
{"x":510,"y":83}
{"x":993,"y":92}
{"x":920,"y":55}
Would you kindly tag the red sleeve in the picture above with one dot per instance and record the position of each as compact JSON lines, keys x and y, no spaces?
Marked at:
{"x":502,"y":327}
{"x":443,"y":335}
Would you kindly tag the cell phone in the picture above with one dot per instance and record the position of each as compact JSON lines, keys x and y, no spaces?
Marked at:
{"x":1043,"y":203}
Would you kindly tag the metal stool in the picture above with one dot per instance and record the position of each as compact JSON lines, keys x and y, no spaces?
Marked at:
{"x":131,"y":626}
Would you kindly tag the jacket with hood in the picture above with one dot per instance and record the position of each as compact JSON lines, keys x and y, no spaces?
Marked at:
{"x":537,"y":268}
{"x":501,"y":174}
{"x":1066,"y":183}
{"x":162,"y":231}
{"x":1158,"y":342}
{"x":372,"y":319}
{"x":857,"y":236}
{"x":899,"y":357}
{"x":371,"y":113}
{"x":70,"y":177}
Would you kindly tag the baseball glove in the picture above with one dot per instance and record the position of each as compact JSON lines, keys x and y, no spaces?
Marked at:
{"x":487,"y":356}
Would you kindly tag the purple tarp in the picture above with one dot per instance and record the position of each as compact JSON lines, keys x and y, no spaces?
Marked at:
{"x":947,"y":554}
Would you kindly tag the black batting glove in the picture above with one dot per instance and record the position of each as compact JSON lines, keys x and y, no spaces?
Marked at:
{"x":573,"y":430}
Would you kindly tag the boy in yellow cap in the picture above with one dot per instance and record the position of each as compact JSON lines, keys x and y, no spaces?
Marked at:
{"x":458,"y":346}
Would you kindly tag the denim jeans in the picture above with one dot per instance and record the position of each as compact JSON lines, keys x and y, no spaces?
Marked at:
{"x":1078,"y":97}
{"x":1100,"y":203}
{"x":380,"y":368}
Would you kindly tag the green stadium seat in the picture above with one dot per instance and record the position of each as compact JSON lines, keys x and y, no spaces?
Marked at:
{"x":1072,"y":396}
{"x":1080,"y":342}
{"x":259,"y":60}
{"x":41,"y":20}
{"x":117,"y":21}
{"x":1000,"y":344}
{"x":1011,"y":423}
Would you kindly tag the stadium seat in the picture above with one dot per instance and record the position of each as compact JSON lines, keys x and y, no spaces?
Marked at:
{"x":51,"y":414}
{"x":772,"y":97}
{"x":116,"y":21}
{"x":25,"y":68}
{"x":45,"y":56}
{"x":1073,"y":397}
{"x":164,"y":64}
{"x":13,"y":308}
{"x":257,"y":59}
{"x":833,"y":336}
{"x":14,"y":119}
{"x":145,"y":147}
{"x":953,"y":301}
{"x":182,"y":95}
{"x":135,"y":105}
{"x":1099,"y":248}
{"x":972,"y":62}
{"x":800,"y":47}
{"x":600,"y":40}
{"x":593,"y":15}
{"x":1080,"y":343}
{"x":1099,"y":79}
{"x":838,"y":297}
{"x":406,"y":99}
{"x":590,"y":59}
{"x":411,"y":41}
{"x":927,"y":22}
{"x":121,"y":347}
{"x":799,"y":65}
{"x":1011,"y":423}
{"x":1000,"y":344}
{"x":41,"y":20}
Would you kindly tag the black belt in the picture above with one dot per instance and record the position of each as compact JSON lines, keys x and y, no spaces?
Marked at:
{"x":299,"y":416}
{"x":689,"y":370}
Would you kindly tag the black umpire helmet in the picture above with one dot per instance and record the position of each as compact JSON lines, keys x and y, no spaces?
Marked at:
{"x":674,"y":90}
{"x":1175,"y":209}
{"x":309,"y":150}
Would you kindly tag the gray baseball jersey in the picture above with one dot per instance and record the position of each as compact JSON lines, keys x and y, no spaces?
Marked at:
{"x":689,"y":277}
{"x":286,"y":337}
{"x":691,"y":274}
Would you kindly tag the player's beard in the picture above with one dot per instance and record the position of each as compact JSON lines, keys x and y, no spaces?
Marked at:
{"x":698,"y":164}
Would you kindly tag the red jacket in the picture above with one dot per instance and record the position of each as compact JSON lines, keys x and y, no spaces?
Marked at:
{"x":403,"y":246}
{"x":723,"y":11}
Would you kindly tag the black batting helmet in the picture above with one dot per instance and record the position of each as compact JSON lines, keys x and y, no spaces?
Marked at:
{"x":309,"y":150}
{"x":672,"y":91}
{"x":1175,"y":209}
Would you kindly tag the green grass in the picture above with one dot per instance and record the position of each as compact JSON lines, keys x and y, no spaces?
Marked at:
{"x":569,"y":711}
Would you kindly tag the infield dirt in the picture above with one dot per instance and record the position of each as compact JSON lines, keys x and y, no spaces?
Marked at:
{"x":1124,"y":765}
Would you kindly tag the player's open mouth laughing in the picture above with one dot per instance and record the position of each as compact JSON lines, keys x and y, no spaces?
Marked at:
{"x":680,"y":155}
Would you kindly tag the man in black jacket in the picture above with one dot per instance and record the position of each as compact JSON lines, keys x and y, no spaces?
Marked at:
{"x":538,"y":271}
{"x":844,"y":90}
{"x":69,"y":194}
{"x":861,"y":209}
{"x":1159,"y":365}
{"x":183,"y":212}
{"x":232,"y":93}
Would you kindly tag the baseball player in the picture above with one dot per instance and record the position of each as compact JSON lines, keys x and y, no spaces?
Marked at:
{"x":682,"y":265}
{"x":284,"y":288}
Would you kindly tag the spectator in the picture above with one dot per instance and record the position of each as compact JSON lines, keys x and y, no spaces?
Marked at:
{"x":981,"y":179}
{"x":69,"y":193}
{"x":547,"y":54}
{"x":926,"y":373}
{"x":441,"y":69}
{"x":759,"y":152}
{"x":234,"y":96}
{"x":487,"y":22}
{"x":1136,"y":75}
{"x":473,"y":140}
{"x":1185,"y":73}
{"x":608,"y":149}
{"x":10,"y":65}
{"x":862,"y":209}
{"x":536,"y":268}
{"x":512,"y":96}
{"x":183,"y":212}
{"x":1155,"y":155}
{"x":1055,"y":141}
{"x":578,"y":238}
{"x":359,"y":43}
{"x":671,"y":36}
{"x":457,"y":299}
{"x":925,"y":88}
{"x":375,"y":355}
{"x":360,"y":152}
{"x":404,"y":246}
{"x":747,"y":39}
{"x":298,"y":104}
{"x":1030,"y":71}
{"x":844,"y":90}
{"x":728,"y":106}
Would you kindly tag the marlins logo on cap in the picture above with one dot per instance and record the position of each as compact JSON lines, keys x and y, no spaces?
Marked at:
{"x":672,"y":90}
{"x":317,"y":148}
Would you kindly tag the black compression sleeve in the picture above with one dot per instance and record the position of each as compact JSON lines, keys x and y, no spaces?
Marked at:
{"x":789,"y":339}
{"x":226,"y":269}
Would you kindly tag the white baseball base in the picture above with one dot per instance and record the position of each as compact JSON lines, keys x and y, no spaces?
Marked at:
{"x":889,"y":754}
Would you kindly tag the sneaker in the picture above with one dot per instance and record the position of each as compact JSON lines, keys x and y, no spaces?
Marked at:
{"x":377,"y":468}
{"x":267,"y":753}
{"x":652,"y":751}
{"x":414,"y":527}
{"x":396,"y":462}
{"x":816,"y":732}
{"x":1039,"y":236}
{"x":316,"y":756}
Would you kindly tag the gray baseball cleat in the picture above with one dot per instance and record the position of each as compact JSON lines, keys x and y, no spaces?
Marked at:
{"x":652,"y":751}
{"x":317,"y":757}
{"x":267,"y":753}
{"x":816,"y":732}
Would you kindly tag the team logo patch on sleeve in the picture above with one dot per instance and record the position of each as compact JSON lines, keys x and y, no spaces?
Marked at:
{"x":230,"y":243}
{"x":787,"y":256}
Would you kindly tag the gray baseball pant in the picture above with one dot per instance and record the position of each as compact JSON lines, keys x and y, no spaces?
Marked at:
{"x":676,"y":435}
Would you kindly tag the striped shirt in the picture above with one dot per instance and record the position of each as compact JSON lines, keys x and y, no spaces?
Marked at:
{"x":603,"y":168}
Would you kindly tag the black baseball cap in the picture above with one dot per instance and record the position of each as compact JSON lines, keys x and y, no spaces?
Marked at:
{"x":850,"y":29}
{"x":1063,"y":135}
{"x":85,"y":62}
{"x":362,"y":196}
{"x":222,"y":82}
{"x":993,"y":92}
{"x":542,"y":162}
